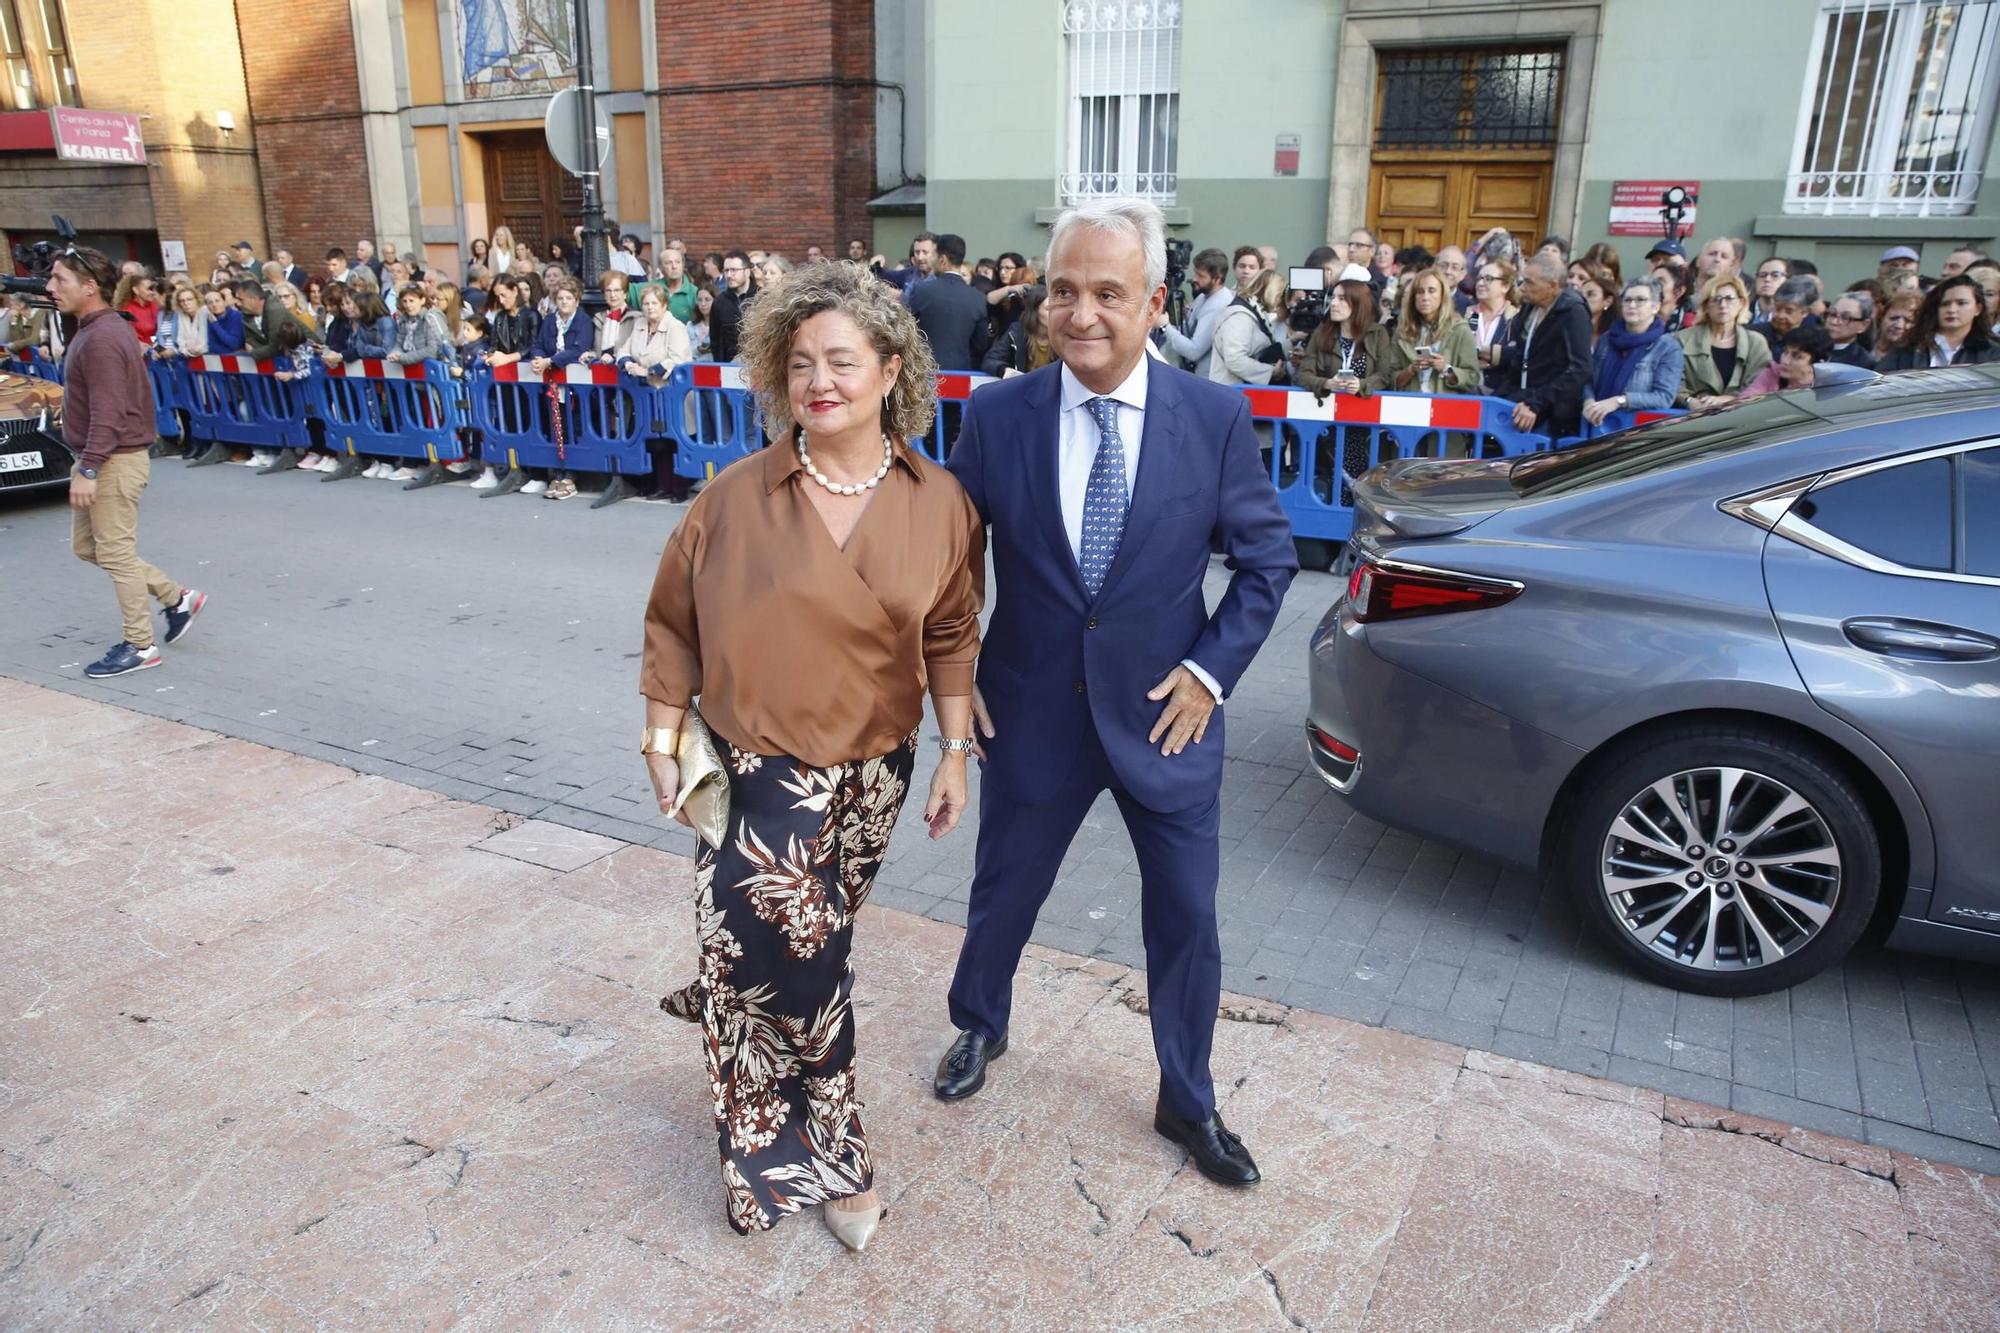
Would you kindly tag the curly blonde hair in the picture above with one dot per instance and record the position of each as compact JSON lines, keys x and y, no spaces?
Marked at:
{"x":773,"y":321}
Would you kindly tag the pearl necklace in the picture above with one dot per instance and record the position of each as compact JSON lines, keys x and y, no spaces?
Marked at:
{"x":805,"y":460}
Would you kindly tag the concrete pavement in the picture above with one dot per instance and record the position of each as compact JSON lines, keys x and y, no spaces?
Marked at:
{"x":288,"y":1046}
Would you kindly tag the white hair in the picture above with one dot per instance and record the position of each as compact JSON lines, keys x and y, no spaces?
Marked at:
{"x":1136,"y":218}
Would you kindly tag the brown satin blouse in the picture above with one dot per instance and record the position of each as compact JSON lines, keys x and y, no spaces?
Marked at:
{"x":797,"y":646}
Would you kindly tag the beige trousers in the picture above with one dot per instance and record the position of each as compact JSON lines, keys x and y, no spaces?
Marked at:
{"x":107,"y":535}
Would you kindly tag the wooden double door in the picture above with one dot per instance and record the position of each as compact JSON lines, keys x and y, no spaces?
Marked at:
{"x":527,"y":191}
{"x":1435,"y":201}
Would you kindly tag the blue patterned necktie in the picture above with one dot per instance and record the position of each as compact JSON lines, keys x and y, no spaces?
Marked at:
{"x":1104,"y":499}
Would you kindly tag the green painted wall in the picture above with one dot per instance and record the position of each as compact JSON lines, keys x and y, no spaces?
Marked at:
{"x":999,"y":110}
{"x":1737,"y":140}
{"x":998,"y":96}
{"x":1000,"y":215}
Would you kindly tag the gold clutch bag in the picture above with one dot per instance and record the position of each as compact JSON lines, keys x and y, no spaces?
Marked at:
{"x":704,"y":793}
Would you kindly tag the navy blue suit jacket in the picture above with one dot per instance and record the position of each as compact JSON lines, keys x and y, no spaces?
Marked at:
{"x":1054,"y":663}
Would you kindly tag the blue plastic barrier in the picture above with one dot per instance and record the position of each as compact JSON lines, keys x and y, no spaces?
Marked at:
{"x":170,"y":395}
{"x":1319,"y":446}
{"x":235,"y":400}
{"x":712,"y":416}
{"x":1617,"y":421}
{"x":37,"y":364}
{"x":610,"y":416}
{"x":387,"y":410}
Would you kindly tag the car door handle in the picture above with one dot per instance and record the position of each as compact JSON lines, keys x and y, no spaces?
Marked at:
{"x":1920,"y":639}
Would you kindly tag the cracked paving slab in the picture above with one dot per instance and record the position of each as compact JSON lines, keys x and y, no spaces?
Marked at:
{"x":373,"y":1075}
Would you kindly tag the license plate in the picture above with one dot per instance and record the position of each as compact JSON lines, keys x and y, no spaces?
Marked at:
{"x":28,"y":462}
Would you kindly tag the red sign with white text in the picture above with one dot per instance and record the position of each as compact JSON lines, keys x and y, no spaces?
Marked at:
{"x":1635,"y":207}
{"x":97,"y":136}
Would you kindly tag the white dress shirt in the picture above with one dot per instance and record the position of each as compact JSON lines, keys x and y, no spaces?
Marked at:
{"x":1077,"y":439}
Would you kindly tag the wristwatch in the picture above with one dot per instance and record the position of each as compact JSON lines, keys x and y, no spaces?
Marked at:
{"x":87,"y":473}
{"x":659,"y":740}
{"x":954,"y":747}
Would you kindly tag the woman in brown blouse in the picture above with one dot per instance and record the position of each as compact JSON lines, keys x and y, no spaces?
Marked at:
{"x":808,"y":597}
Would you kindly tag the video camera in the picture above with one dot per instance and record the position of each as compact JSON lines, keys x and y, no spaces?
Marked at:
{"x":1306,"y":288}
{"x":1675,"y":201}
{"x":38,"y":258}
{"x":1179,"y":255}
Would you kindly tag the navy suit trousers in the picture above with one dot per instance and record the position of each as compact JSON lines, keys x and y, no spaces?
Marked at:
{"x":1020,"y":848}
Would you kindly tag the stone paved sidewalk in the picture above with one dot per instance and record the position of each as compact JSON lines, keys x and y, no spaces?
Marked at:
{"x":289,"y":1046}
{"x":488,"y":651}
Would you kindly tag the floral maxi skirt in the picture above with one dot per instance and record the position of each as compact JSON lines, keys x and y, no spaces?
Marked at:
{"x":774,"y":916}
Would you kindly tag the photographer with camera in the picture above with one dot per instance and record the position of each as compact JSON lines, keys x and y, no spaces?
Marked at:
{"x":1193,"y":339}
{"x":108,"y":424}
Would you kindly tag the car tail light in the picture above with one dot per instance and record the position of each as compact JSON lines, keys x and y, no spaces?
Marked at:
{"x":1340,"y":750}
{"x":1389,"y":590}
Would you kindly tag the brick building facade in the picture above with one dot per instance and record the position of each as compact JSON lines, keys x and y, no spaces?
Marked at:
{"x":314,"y":123}
{"x":305,"y":106}
{"x":177,"y":69}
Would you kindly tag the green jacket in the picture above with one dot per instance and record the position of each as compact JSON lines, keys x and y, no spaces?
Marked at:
{"x":1698,"y":373}
{"x":1321,"y":364}
{"x":1460,"y":350}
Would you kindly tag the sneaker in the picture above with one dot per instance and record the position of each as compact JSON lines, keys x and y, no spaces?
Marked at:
{"x":181,"y":615}
{"x":262,"y":458}
{"x":458,"y":469}
{"x":310,"y":461}
{"x":122,"y":659}
{"x":400,"y":474}
{"x":535,"y":487}
{"x":372,"y":470}
{"x":328,"y":464}
{"x":485,"y":481}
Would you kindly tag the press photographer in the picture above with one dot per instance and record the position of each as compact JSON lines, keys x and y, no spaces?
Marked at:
{"x":1191,"y":337}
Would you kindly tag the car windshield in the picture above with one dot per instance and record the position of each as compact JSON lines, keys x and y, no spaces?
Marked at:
{"x":1664,"y":444}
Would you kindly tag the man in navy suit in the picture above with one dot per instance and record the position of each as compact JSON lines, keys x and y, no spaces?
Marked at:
{"x":1104,"y":479}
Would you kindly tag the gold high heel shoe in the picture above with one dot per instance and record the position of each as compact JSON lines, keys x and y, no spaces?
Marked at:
{"x":852,"y":1227}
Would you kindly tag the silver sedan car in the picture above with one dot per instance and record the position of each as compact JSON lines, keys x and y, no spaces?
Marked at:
{"x":1732,"y":679}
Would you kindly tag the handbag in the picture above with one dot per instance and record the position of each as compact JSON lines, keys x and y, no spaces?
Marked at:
{"x":704,"y":790}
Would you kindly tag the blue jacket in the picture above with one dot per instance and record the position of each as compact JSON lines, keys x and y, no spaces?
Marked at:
{"x":563,"y":349}
{"x":359,"y":340}
{"x":225,"y":332}
{"x":1056,"y":665}
{"x":1656,"y":379}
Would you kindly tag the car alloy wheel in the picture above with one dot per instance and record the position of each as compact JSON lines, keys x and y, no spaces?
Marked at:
{"x":1720,"y":869}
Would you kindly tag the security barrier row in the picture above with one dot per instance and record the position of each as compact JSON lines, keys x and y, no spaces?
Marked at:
{"x":596,"y":418}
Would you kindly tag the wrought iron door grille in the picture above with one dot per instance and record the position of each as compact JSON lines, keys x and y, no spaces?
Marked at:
{"x":1478,"y":97}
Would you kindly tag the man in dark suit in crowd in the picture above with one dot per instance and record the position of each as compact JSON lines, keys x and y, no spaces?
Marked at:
{"x":725,"y":322}
{"x":294,"y":273}
{"x":1547,"y":359}
{"x":951,"y":314}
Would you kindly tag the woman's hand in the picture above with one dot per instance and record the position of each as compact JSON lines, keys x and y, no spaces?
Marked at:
{"x":1597,"y":409}
{"x":947,"y":799}
{"x":665,"y":771}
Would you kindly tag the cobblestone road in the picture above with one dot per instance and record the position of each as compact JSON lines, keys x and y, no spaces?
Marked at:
{"x":489,"y":651}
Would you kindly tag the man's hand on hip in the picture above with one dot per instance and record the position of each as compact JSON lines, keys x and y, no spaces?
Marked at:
{"x":1185,"y":718}
{"x":82,"y":491}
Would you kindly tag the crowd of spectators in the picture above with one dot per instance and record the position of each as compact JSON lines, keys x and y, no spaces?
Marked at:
{"x":1567,"y":337}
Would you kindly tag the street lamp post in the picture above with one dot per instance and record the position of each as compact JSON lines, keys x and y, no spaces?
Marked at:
{"x":592,"y":261}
